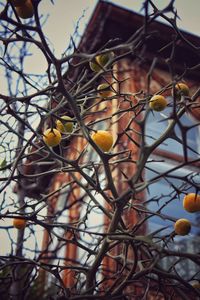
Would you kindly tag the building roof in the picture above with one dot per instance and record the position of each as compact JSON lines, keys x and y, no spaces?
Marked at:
{"x":111,"y":23}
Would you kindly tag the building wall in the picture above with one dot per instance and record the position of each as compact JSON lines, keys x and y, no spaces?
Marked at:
{"x":130,"y":80}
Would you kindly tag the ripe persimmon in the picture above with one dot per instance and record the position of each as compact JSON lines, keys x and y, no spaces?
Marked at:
{"x":52,"y":137}
{"x":18,"y":2}
{"x":25,"y":10}
{"x":158,"y":103}
{"x":105,"y":90}
{"x":103,"y":139}
{"x":19,"y":223}
{"x":191,"y":202}
{"x":64,"y":126}
{"x":182,"y":227}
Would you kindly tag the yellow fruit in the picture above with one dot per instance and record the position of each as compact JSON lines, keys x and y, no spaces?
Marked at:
{"x":103,"y":59}
{"x":182,"y":227}
{"x":158,"y":103}
{"x":3,"y":161}
{"x":100,"y":61}
{"x":181,"y":89}
{"x":64,"y":126}
{"x":94,"y":66}
{"x":26,"y":10}
{"x":19,"y":223}
{"x":196,"y":285}
{"x":18,"y":2}
{"x":191,"y":202}
{"x":52,"y":137}
{"x":105,"y":90}
{"x":103,"y":139}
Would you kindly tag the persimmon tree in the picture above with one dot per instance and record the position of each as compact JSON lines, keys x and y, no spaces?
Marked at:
{"x":76,"y":154}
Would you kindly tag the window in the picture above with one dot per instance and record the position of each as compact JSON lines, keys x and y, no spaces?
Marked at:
{"x":163,"y":194}
{"x":157,"y":124}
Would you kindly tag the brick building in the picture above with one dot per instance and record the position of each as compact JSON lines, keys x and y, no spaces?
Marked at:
{"x":141,"y":67}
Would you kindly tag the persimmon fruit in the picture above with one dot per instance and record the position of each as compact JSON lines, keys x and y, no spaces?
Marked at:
{"x":196,"y":285}
{"x":104,"y":90}
{"x":181,"y":89}
{"x":66,"y":125}
{"x":18,"y":2}
{"x":182,"y":227}
{"x":103,"y":59}
{"x":158,"y":103}
{"x":26,"y":10}
{"x":100,"y":61}
{"x":103,"y":139}
{"x":52,"y":137}
{"x":19,"y":223}
{"x":191,"y":202}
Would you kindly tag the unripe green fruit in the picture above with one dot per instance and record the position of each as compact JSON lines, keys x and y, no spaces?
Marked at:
{"x":104,"y":58}
{"x":104,"y":90}
{"x":100,"y":61}
{"x":64,"y":126}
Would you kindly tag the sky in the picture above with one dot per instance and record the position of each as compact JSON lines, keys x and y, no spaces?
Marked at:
{"x":64,"y":15}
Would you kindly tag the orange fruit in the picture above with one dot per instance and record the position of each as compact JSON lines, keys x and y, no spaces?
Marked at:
{"x":105,"y":90}
{"x":158,"y":103}
{"x":18,"y":2}
{"x":103,"y":139}
{"x":64,"y":126}
{"x":19,"y":223}
{"x":26,"y":10}
{"x":52,"y":137}
{"x":191,"y":202}
{"x":182,"y":227}
{"x":181,"y":89}
{"x":100,"y":61}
